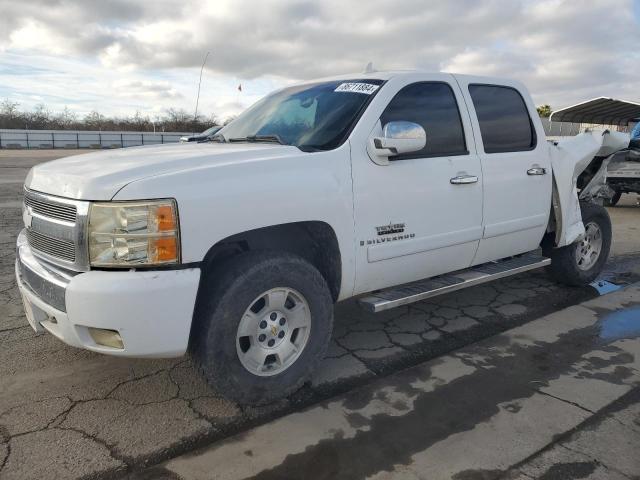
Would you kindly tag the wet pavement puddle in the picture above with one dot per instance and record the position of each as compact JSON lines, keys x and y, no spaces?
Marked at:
{"x":620,"y":324}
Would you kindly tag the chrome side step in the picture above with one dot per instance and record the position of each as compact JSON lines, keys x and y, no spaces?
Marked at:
{"x":431,"y":287}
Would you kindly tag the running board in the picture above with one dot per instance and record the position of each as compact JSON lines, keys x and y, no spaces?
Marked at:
{"x":431,"y":287}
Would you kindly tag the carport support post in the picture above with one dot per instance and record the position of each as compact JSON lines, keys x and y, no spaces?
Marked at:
{"x":121,"y":141}
{"x":53,"y":140}
{"x":27,"y":134}
{"x":161,"y":138}
{"x":77,"y":140}
{"x":100,"y":139}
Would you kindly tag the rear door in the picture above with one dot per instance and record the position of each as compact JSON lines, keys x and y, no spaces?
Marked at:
{"x":516,"y":167}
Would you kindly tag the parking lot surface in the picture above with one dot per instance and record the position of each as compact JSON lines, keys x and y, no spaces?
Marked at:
{"x":68,"y":413}
{"x":555,"y":398}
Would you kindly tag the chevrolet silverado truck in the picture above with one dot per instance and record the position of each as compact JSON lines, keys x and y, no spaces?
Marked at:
{"x":391,"y":187}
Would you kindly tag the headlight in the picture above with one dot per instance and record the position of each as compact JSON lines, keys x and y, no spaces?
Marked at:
{"x":130,"y":234}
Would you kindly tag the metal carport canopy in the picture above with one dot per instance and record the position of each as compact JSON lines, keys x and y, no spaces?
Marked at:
{"x":602,"y":110}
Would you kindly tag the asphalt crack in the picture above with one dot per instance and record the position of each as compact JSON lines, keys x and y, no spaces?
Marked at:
{"x":577,"y":405}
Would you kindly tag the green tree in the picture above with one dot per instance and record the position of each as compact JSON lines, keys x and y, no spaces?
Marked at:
{"x":544,"y":110}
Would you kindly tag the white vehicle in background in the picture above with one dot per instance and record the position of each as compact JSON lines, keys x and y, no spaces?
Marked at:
{"x":390,"y":186}
{"x":201,"y":137}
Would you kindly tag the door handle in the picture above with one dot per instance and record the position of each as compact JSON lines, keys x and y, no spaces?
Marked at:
{"x":536,"y":171}
{"x":463,"y":179}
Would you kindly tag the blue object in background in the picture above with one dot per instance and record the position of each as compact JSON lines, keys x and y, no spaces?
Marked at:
{"x":635,"y":133}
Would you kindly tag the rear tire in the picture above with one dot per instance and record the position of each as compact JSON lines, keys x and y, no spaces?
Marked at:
{"x":263,"y":323}
{"x":613,"y":201}
{"x":580,"y":263}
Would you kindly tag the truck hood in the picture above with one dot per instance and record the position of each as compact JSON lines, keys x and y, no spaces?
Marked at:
{"x":100,"y":175}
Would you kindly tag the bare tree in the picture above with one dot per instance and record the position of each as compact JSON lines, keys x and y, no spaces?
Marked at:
{"x":94,"y":120}
{"x":66,"y":119}
{"x":9,"y":108}
{"x":40,"y":118}
{"x":177,"y":119}
{"x":173,"y":119}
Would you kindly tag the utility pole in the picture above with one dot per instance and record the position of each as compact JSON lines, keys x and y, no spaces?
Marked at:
{"x":195,"y":115}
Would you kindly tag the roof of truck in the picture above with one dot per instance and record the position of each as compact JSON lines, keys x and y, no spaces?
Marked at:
{"x":389,"y":74}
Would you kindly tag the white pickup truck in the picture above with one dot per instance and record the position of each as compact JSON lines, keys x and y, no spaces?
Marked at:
{"x":390,"y":186}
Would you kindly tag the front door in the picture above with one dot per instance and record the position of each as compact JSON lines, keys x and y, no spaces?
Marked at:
{"x":421,"y":215}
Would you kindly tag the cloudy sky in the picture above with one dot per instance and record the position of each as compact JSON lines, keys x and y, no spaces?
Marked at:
{"x":119,"y":56}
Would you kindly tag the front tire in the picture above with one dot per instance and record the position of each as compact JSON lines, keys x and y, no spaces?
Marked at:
{"x":580,"y":263}
{"x":263,"y":323}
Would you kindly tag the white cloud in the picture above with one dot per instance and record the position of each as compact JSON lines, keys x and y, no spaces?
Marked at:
{"x":146,"y":54}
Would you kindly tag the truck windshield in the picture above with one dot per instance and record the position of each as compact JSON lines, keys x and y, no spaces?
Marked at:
{"x":315,"y":116}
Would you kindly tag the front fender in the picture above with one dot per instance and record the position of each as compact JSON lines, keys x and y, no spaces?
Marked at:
{"x":218,"y":201}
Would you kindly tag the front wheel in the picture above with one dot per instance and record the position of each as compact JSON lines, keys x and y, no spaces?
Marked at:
{"x":581,"y":262}
{"x":264,"y":322}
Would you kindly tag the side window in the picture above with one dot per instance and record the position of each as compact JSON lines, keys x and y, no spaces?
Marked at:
{"x":504,"y":121}
{"x":432,"y":105}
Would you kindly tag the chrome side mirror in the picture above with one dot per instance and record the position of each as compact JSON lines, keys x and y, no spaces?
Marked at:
{"x":400,"y":137}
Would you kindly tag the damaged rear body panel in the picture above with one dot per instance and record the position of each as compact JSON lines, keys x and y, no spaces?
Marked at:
{"x":569,"y":158}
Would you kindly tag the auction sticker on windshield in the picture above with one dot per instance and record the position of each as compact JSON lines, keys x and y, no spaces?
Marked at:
{"x":356,"y":87}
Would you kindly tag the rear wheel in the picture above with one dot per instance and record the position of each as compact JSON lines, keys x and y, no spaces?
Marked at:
{"x":264,"y":322}
{"x":581,"y":262}
{"x":613,"y":201}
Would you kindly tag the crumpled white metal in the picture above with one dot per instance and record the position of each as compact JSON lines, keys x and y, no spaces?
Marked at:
{"x":569,"y":158}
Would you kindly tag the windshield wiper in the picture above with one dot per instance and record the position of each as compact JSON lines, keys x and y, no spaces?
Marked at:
{"x":259,"y":138}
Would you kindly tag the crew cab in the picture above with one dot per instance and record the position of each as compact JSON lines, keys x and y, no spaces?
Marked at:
{"x":386,"y":186}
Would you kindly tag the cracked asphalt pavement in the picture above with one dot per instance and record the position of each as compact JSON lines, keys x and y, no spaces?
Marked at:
{"x":68,"y":413}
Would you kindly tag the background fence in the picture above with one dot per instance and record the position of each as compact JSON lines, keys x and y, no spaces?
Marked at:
{"x":83,"y":139}
{"x":566,"y":129}
{"x":90,"y":139}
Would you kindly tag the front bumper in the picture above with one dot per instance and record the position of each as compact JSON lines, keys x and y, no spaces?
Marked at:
{"x":151,"y":310}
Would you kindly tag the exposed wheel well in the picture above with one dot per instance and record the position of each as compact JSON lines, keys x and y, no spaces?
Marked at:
{"x":314,"y":241}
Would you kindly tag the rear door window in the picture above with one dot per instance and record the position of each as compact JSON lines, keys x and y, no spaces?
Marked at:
{"x":504,"y":121}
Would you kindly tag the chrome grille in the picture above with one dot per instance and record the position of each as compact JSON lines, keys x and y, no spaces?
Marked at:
{"x":56,"y":229}
{"x":51,"y":209}
{"x":51,"y":246}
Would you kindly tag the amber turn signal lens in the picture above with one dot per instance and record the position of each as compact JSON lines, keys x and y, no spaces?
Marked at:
{"x":165,"y":249}
{"x":165,"y":218}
